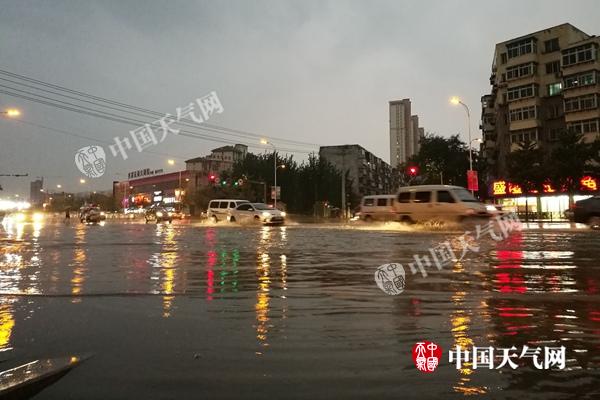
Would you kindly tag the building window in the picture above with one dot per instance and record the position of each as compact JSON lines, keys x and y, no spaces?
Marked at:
{"x":580,"y":54}
{"x":522,"y":47}
{"x":587,"y":126}
{"x":524,"y":136}
{"x":503,"y":58}
{"x":553,"y":67}
{"x":588,"y":102}
{"x":583,"y":79}
{"x":520,"y":71}
{"x":554,"y":88}
{"x":524,"y":113}
{"x":522,"y":92}
{"x":551,"y":45}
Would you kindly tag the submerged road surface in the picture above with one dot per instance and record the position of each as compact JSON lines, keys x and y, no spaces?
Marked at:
{"x":192,"y":311}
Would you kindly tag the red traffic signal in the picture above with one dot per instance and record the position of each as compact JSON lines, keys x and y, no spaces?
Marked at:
{"x":212,"y":177}
{"x":413,"y":170}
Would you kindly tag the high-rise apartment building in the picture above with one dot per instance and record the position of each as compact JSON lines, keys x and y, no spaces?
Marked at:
{"x":404,"y":132}
{"x":543,"y":84}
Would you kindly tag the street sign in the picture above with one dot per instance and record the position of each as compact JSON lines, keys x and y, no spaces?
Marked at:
{"x":278,"y":192}
{"x":472,"y":180}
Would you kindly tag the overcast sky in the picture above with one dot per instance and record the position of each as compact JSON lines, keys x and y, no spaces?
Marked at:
{"x":315,"y":71}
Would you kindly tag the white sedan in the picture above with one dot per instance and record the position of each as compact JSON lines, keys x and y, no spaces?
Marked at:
{"x":256,"y":212}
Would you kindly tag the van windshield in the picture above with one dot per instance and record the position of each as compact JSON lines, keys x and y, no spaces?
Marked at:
{"x":465,"y":196}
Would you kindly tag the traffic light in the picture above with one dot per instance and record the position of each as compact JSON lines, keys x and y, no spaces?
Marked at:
{"x":413,"y":170}
{"x":211,"y":178}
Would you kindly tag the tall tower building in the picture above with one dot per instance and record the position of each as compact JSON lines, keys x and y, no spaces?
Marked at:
{"x":404,"y":132}
{"x":400,"y":131}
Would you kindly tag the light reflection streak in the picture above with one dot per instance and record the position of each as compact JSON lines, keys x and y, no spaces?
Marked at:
{"x":79,"y":262}
{"x":164,"y":265}
{"x":460,"y":320}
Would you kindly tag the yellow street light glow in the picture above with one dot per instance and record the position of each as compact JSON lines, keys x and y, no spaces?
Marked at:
{"x":13,"y":112}
{"x":264,"y":141}
{"x":171,"y":162}
{"x":455,"y":100}
{"x":59,"y":186}
{"x":82,"y":180}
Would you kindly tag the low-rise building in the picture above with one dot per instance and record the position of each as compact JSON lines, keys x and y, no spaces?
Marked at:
{"x":367,"y":173}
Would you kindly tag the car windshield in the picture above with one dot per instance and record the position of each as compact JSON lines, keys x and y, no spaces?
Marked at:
{"x":262,"y":206}
{"x":465,"y":196}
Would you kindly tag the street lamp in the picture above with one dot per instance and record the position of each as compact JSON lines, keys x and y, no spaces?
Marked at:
{"x":265,"y":141}
{"x":82,"y":181}
{"x":11,"y":112}
{"x":58,"y":186}
{"x":456,"y":101}
{"x":171,"y":162}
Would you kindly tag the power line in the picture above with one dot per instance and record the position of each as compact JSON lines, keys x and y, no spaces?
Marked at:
{"x":189,"y":122}
{"x":120,"y":118}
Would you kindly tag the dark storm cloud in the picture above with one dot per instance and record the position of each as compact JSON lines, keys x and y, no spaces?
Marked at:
{"x":315,"y":71}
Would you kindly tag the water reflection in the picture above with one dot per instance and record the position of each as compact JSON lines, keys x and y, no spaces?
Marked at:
{"x":460,"y":320}
{"x":164,"y":265}
{"x":79,"y":262}
{"x":7,"y":323}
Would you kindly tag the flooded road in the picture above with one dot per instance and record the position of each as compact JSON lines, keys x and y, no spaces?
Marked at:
{"x":187,"y":310}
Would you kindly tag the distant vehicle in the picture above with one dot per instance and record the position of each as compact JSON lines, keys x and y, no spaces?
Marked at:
{"x":158,"y":214}
{"x":437,"y":202}
{"x":377,"y":208}
{"x":587,"y":212}
{"x":219,"y":209}
{"x":176,"y":213}
{"x":24,"y":216}
{"x":91,"y":214}
{"x":256,"y":212}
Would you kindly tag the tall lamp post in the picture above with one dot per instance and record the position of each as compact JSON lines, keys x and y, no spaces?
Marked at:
{"x":456,"y":101}
{"x":265,"y":141}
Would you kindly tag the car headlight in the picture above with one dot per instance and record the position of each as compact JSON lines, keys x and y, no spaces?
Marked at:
{"x":159,"y":214}
{"x":102,"y":213}
{"x":20,"y":217}
{"x":283,"y":214}
{"x":38,"y":217}
{"x":170,"y":214}
{"x":265,"y":214}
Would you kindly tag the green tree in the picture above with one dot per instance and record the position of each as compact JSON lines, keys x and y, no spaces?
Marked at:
{"x":571,"y":159}
{"x":442,"y":159}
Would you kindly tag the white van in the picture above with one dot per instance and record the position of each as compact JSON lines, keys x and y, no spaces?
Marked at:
{"x":378,"y":207}
{"x":219,"y":209}
{"x":437,"y":202}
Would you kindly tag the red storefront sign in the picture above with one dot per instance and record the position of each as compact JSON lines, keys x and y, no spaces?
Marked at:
{"x":501,"y":188}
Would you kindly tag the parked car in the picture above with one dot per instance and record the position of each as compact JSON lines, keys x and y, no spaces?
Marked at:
{"x":377,"y":208}
{"x":437,"y":202}
{"x":219,"y":209}
{"x":256,"y":212}
{"x":158,"y":214}
{"x":587,"y":212}
{"x":91,"y":214}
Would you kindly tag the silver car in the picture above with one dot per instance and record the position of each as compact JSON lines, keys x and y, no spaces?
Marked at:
{"x":256,"y":212}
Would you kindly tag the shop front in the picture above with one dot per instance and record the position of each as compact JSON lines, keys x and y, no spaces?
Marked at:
{"x":549,"y":204}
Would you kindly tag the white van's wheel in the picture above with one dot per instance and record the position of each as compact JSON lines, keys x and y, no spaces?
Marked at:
{"x":232,"y":219}
{"x":368,"y":218}
{"x":407,"y":220}
{"x":214,"y":219}
{"x":594,"y":222}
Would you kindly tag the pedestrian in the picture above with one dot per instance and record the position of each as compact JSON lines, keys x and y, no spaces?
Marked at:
{"x":67,"y":216}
